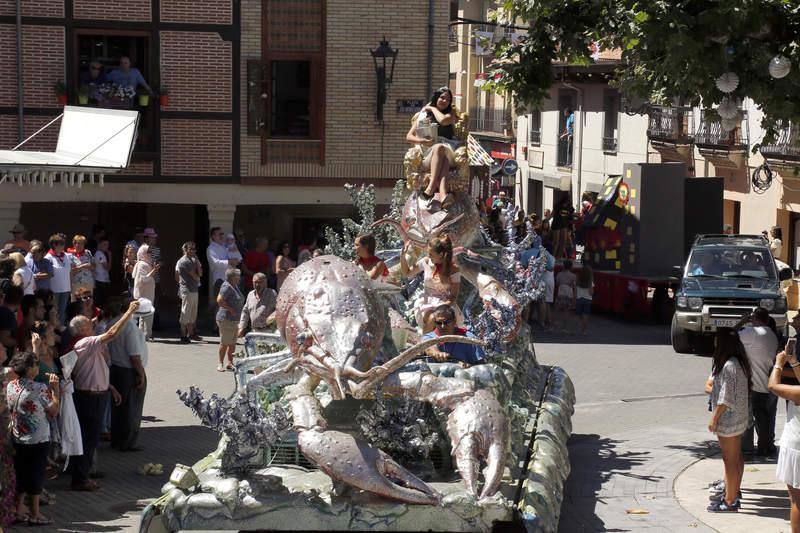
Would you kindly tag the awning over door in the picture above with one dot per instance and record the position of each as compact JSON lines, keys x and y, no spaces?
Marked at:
{"x":92,"y":142}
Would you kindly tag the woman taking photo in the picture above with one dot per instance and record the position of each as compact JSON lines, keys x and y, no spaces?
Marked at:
{"x":788,"y":470}
{"x":144,"y":285}
{"x":730,"y":396}
{"x":442,"y":281}
{"x":32,"y":405}
{"x":230,"y":301}
{"x":438,"y":152}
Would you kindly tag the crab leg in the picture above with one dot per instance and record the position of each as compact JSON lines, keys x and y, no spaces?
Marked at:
{"x":347,"y":459}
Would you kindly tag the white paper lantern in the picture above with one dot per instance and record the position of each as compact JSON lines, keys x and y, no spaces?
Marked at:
{"x":728,"y":108}
{"x":729,"y":124}
{"x":779,"y":67}
{"x":728,"y":82}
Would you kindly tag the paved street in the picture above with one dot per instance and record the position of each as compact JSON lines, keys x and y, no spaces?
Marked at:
{"x":639,"y":422}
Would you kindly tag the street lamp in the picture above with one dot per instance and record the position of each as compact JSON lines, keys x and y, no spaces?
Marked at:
{"x":383,"y":57}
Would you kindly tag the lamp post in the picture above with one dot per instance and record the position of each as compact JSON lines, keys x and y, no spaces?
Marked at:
{"x":383,"y":57}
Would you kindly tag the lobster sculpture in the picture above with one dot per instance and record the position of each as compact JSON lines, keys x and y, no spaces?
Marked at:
{"x":334,"y":325}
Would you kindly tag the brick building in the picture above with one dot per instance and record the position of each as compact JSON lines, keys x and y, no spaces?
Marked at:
{"x":271,"y":109}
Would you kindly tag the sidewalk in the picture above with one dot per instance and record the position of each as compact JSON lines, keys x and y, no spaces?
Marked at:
{"x":765,"y":502}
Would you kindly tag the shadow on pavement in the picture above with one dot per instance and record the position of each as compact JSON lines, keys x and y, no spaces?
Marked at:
{"x":124,"y":490}
{"x":698,"y":450}
{"x":594,"y":462}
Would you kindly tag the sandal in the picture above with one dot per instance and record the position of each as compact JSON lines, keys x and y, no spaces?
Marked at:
{"x":229,"y":367}
{"x":220,"y":368}
{"x":40,"y":521}
{"x":20,"y":519}
{"x":87,"y":486}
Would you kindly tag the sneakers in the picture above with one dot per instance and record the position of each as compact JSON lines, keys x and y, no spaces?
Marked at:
{"x":724,"y":507}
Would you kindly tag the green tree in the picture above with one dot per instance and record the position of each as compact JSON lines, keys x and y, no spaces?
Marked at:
{"x":672,"y":50}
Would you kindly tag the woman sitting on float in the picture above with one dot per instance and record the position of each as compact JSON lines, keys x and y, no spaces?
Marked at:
{"x":366,"y":258}
{"x":442,"y":281}
{"x":439,"y":153}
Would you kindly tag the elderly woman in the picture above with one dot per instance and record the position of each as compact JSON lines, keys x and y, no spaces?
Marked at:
{"x":32,"y":405}
{"x":82,"y":269}
{"x":144,"y":285}
{"x":230,"y":301}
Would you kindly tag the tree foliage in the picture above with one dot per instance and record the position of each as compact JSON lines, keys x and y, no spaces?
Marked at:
{"x":672,"y":50}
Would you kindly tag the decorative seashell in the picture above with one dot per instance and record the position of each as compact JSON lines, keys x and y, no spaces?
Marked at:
{"x":729,"y":124}
{"x":779,"y":67}
{"x":728,"y":108}
{"x":728,"y":82}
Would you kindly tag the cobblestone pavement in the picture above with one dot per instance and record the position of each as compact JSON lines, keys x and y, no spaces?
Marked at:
{"x":640,"y":421}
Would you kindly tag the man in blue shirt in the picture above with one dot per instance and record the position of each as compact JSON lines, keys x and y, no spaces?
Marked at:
{"x":127,"y":76}
{"x":569,"y":127}
{"x":467,"y":354}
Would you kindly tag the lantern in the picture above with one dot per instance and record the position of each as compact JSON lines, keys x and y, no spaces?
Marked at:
{"x":779,"y":67}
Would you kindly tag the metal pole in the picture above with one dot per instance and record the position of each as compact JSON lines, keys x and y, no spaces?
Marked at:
{"x":20,"y":101}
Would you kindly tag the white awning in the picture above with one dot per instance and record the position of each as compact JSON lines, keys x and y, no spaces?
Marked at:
{"x":92,"y":142}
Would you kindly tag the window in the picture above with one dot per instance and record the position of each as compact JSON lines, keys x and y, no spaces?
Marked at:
{"x":291,"y":99}
{"x":535,"y":130}
{"x":106,"y":48}
{"x":294,"y":81}
{"x":610,"y":120}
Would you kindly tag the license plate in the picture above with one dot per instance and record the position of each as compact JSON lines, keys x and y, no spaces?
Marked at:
{"x":724,"y":322}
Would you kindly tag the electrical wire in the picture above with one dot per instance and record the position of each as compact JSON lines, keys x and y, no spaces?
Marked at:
{"x":761,"y":178}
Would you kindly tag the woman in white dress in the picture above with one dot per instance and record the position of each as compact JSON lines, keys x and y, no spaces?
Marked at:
{"x":144,"y":285}
{"x":788,"y":469}
{"x":442,"y":281}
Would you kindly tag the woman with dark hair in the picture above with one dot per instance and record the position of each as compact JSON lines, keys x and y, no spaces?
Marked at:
{"x":441,"y":282}
{"x":32,"y":405}
{"x":433,"y":130}
{"x":788,"y":469}
{"x":366,"y":258}
{"x":284,"y":264}
{"x":730,"y":391}
{"x":776,"y":241}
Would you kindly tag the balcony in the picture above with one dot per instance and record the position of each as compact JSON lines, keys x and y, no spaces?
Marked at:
{"x":724,"y":148}
{"x":483,"y":120}
{"x":535,"y":137}
{"x":610,"y":144}
{"x":784,"y":151}
{"x":669,"y":130}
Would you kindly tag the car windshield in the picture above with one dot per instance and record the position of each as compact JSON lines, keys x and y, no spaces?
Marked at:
{"x":731,"y":262}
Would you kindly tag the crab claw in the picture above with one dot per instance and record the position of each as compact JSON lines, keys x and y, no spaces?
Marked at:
{"x":478,"y":429}
{"x":355,"y":463}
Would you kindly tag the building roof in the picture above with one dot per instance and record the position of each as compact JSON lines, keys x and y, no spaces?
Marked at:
{"x":90,"y":141}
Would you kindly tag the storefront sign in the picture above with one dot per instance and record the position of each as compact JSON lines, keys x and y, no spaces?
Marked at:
{"x":409,"y":106}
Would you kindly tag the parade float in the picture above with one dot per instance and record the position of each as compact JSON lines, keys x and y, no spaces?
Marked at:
{"x":340,"y":422}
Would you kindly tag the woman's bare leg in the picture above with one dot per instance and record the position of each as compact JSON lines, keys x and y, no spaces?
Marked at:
{"x":734,"y":465}
{"x":436,"y":156}
{"x":222,"y":349}
{"x":794,"y":499}
{"x":231,"y":349}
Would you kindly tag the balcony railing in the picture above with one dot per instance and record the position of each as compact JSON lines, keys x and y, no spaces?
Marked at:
{"x":670,"y":124}
{"x":489,"y":120}
{"x":565,"y":149}
{"x":711,"y":135}
{"x":786,"y":146}
{"x":609,"y":144}
{"x":535,"y":137}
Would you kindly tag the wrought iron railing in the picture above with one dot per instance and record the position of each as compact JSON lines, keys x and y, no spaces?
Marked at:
{"x":670,"y":124}
{"x":609,"y":144}
{"x":712,"y":135}
{"x":489,"y":120}
{"x":535,"y":137}
{"x":565,"y":149}
{"x":786,"y":146}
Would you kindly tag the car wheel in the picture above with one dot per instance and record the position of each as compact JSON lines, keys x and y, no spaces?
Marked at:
{"x":681,"y":339}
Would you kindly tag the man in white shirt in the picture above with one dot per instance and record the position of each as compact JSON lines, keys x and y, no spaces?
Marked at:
{"x":761,"y":345}
{"x":218,"y":260}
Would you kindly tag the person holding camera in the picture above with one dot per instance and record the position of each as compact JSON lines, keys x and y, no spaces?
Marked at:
{"x":761,"y":344}
{"x":32,"y":406}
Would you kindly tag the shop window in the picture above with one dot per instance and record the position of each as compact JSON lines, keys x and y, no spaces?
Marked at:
{"x":97,"y":82}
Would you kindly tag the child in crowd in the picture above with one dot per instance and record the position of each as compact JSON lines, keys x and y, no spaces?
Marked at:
{"x":583,"y":301}
{"x":565,"y":294}
{"x":233,"y":250}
